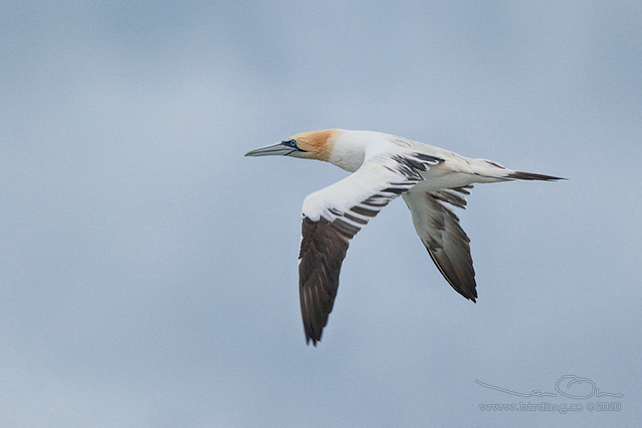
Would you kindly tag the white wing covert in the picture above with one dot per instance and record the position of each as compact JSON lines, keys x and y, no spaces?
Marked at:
{"x":333,"y":215}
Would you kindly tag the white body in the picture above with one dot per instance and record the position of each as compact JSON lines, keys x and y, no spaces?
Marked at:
{"x":352,"y":147}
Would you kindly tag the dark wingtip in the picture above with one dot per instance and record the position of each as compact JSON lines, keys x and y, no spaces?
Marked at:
{"x":521,"y":175}
{"x":471,"y":296}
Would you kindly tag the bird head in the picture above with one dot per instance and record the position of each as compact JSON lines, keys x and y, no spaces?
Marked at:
{"x":306,"y":145}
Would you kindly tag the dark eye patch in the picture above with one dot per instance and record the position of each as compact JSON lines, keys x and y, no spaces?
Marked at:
{"x":292,"y":144}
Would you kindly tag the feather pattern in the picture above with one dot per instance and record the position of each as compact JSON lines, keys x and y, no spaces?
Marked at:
{"x":332,"y":216}
{"x":446,"y":242}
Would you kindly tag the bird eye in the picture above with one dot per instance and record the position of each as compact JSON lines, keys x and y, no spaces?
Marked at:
{"x":292,"y":143}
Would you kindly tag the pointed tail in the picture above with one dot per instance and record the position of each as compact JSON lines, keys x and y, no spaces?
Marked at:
{"x":496,"y":172}
{"x":521,"y":175}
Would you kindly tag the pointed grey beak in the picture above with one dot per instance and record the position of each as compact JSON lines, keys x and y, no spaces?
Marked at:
{"x":274,"y":149}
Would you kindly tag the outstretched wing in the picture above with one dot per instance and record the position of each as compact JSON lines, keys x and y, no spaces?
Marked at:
{"x":333,"y":215}
{"x":446,"y":242}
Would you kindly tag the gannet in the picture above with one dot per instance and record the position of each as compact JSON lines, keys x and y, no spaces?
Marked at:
{"x":383,"y":166}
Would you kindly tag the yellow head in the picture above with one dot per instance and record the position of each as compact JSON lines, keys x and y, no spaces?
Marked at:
{"x":307,"y":145}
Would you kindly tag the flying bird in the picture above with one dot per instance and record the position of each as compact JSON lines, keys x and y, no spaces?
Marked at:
{"x":383,"y":166}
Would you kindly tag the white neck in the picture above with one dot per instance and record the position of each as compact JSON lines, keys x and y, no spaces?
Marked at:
{"x":350,"y":148}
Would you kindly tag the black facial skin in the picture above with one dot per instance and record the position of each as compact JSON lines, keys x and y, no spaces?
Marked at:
{"x":292,"y":144}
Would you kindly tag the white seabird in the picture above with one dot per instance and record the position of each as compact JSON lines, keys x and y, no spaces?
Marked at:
{"x":384,"y":166}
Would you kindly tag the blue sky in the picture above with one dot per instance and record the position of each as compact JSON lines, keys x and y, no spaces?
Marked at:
{"x":149,"y":272}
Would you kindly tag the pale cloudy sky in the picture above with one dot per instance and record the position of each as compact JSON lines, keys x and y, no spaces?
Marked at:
{"x":148,"y":271}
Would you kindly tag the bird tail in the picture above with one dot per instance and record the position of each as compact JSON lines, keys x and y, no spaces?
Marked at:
{"x":521,"y":175}
{"x":496,"y":172}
